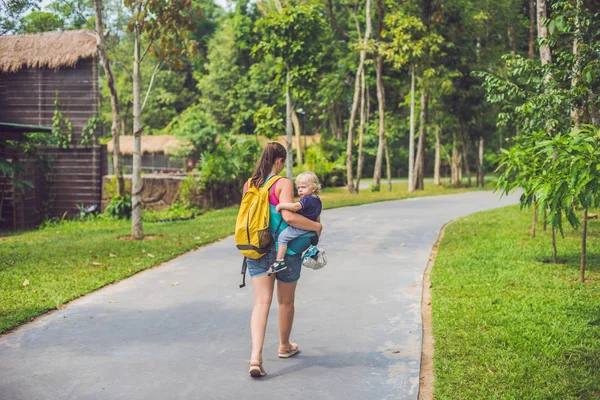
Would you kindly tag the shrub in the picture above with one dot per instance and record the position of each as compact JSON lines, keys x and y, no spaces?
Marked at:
{"x":189,"y":192}
{"x":224,"y":170}
{"x":119,"y":207}
{"x":175,"y":212}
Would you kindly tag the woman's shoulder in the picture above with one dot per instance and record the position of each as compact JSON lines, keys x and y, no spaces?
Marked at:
{"x":284,"y":182}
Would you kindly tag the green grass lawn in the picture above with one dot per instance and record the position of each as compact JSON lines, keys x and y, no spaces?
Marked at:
{"x":73,"y":258}
{"x":507,"y":323}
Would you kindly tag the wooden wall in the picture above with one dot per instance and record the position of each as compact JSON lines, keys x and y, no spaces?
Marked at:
{"x":27,"y":97}
{"x":74,"y":177}
{"x":23,"y":207}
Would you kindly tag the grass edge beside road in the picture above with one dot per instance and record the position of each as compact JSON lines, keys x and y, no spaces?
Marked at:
{"x":81,"y":257}
{"x":506,"y":322}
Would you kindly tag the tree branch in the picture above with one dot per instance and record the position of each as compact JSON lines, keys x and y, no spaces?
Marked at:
{"x":108,"y":47}
{"x":146,"y":51}
{"x":158,"y":65}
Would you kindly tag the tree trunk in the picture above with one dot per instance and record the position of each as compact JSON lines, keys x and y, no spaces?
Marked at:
{"x":465,"y":152}
{"x":361,"y":65}
{"x":114,"y":102}
{"x":388,"y":165}
{"x":480,"y":173}
{"x":545,"y":221}
{"x":380,"y":99}
{"x":438,"y":160}
{"x":411,"y":137}
{"x":583,"y":246}
{"x":456,"y":164}
{"x":534,"y":222}
{"x":545,"y":55}
{"x":418,"y":181}
{"x":137,"y":185}
{"x":361,"y":129}
{"x":575,"y":113}
{"x":289,"y":130}
{"x":554,"y":252}
{"x":298,"y":131}
{"x":512,"y":41}
{"x":532,"y":20}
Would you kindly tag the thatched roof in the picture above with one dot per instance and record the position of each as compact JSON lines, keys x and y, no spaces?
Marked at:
{"x":150,"y":144}
{"x":50,"y":49}
{"x":304,"y":140}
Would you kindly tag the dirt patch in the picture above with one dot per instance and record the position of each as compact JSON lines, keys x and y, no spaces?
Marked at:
{"x":426,"y":375}
{"x":147,"y":237}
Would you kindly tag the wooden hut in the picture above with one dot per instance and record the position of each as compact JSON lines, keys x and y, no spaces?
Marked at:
{"x":44,"y":72}
{"x":158,"y":153}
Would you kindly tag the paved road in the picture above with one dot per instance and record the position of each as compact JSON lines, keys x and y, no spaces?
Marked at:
{"x":358,"y":321}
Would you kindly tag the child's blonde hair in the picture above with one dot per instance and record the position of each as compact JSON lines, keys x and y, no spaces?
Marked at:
{"x":311,"y":179}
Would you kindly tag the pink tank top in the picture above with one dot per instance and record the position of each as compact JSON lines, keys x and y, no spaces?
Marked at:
{"x":273,"y":200}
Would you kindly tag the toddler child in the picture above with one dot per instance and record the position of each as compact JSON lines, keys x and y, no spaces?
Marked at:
{"x":309,"y":206}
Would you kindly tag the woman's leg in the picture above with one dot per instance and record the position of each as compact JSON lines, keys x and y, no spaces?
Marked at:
{"x":286,"y":294}
{"x":263,"y":295}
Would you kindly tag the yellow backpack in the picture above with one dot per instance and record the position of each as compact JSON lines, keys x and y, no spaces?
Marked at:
{"x":252,"y":233}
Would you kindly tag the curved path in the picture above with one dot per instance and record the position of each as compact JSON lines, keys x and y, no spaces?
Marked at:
{"x":358,"y":321}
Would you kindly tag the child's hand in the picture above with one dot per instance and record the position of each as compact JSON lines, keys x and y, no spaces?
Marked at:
{"x":278,"y":208}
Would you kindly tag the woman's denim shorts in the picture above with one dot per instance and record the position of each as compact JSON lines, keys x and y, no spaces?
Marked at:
{"x":260,"y":266}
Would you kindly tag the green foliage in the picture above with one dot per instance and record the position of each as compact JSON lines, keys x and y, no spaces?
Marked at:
{"x":224,"y":170}
{"x":10,"y":14}
{"x":268,"y":122}
{"x":89,"y":130}
{"x":194,"y":126}
{"x":327,"y":161}
{"x":119,"y":207}
{"x":175,"y":212}
{"x":410,"y":40}
{"x":189,"y":192}
{"x":570,"y":176}
{"x":62,"y":129}
{"x":166,"y":26}
{"x":40,"y":21}
{"x":288,"y":37}
{"x":553,"y":160}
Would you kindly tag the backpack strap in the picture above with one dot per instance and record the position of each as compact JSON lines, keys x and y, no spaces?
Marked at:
{"x":271,"y":181}
{"x":244,"y":268}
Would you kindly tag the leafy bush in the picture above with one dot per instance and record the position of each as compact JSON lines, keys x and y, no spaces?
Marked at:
{"x":189,"y":192}
{"x":119,"y":207}
{"x":224,"y":170}
{"x":196,"y":128}
{"x":174,"y":212}
{"x":330,"y":173}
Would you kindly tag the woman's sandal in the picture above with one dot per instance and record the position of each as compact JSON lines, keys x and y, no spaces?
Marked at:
{"x":292,"y":351}
{"x":256,"y":368}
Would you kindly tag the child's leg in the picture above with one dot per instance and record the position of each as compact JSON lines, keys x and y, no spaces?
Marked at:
{"x":284,"y":238}
{"x":281,"y":249}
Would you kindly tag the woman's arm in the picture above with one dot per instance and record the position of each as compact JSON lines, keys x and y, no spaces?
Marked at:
{"x":284,"y":194}
{"x":289,"y":206}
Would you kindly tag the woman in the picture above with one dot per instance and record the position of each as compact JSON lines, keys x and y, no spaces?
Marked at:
{"x":272,"y":162}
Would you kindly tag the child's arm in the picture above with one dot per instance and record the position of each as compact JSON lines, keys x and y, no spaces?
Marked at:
{"x":289,"y":206}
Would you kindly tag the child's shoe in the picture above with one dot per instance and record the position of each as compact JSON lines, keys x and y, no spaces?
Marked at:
{"x":276,"y":267}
